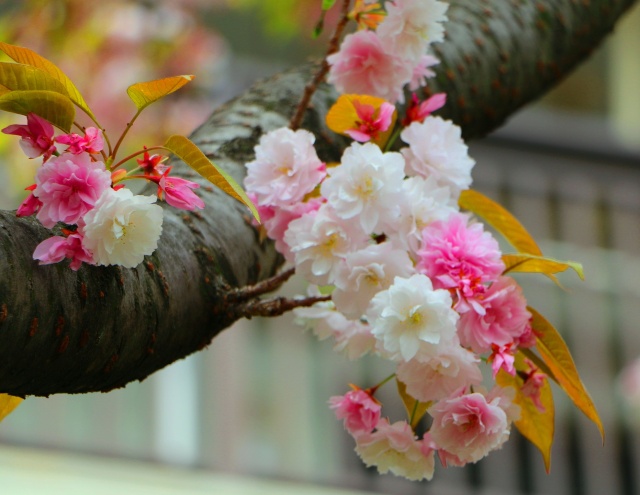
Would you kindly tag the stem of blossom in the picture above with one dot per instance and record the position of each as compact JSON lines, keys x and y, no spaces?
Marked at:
{"x":133,"y":155}
{"x":261,"y":288}
{"x":372,"y":390}
{"x":310,"y":88}
{"x":124,"y":133}
{"x":393,"y":138}
{"x":277,"y":306}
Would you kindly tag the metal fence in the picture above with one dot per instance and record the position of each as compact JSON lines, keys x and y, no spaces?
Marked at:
{"x":255,"y":401}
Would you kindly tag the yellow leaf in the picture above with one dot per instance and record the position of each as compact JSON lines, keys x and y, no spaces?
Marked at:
{"x":415,"y":409}
{"x":145,"y":93}
{"x":500,"y":219}
{"x":343,"y":115}
{"x":556,"y":355}
{"x":197,"y":160}
{"x":49,"y":105}
{"x":535,"y":425}
{"x":20,"y":77}
{"x":7,"y":404}
{"x":29,"y":57}
{"x":538,"y":264}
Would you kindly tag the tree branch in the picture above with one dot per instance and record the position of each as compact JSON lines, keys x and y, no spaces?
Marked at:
{"x":102,"y":327}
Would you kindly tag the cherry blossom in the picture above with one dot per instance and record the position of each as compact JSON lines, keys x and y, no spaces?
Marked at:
{"x":179,"y":192}
{"x":440,"y":376}
{"x":366,"y":272}
{"x":436,"y":149}
{"x":411,"y":25}
{"x":394,"y":447}
{"x":68,"y":187}
{"x":37,"y":136}
{"x":91,"y":142}
{"x":499,"y":318}
{"x":468,"y":426}
{"x":361,"y":413}
{"x":458,"y":254}
{"x":122,"y":228}
{"x":56,"y":248}
{"x":366,"y":186}
{"x":30,"y":205}
{"x":286,"y":167}
{"x":363,"y":66}
{"x":411,"y":319}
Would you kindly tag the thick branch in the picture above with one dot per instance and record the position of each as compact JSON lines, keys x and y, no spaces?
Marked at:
{"x":499,"y":55}
{"x":100,"y":328}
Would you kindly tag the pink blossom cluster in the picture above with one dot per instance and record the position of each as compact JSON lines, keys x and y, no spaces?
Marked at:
{"x":102,"y":223}
{"x":382,"y":60}
{"x":412,"y":279}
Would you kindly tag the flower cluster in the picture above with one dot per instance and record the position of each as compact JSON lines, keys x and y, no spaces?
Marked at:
{"x":412,"y":279}
{"x":103,"y":223}
{"x":390,"y":50}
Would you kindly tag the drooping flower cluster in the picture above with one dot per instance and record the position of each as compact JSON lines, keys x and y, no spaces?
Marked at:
{"x":412,"y":279}
{"x":103,"y":223}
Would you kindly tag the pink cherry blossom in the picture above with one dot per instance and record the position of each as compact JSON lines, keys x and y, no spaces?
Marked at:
{"x":91,"y":142}
{"x":68,"y":186}
{"x":276,"y":219}
{"x":152,"y":164}
{"x":422,"y":71}
{"x":30,"y":205}
{"x":363,"y":66}
{"x":372,"y":122}
{"x":468,"y":426}
{"x":178,"y":192}
{"x":55,"y":249}
{"x":417,"y":111}
{"x":440,"y":376}
{"x":37,"y":136}
{"x":461,"y":256}
{"x":285,"y":169}
{"x":359,"y":410}
{"x":394,"y":447}
{"x":532,"y":386}
{"x":499,"y":317}
{"x":502,"y":357}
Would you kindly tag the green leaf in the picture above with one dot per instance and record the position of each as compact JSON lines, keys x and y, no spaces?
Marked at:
{"x":20,"y":77}
{"x":327,"y":4}
{"x":415,"y":409}
{"x":500,"y":219}
{"x":537,"y":264}
{"x":29,"y":57}
{"x":196,"y":159}
{"x":49,"y":105}
{"x":535,"y":425}
{"x":556,"y":355}
{"x":145,"y":93}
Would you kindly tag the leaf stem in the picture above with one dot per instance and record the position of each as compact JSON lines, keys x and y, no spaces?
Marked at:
{"x":124,"y":133}
{"x":372,"y":390}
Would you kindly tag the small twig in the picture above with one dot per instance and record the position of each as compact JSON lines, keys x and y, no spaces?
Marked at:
{"x":261,"y":288}
{"x":312,"y":86}
{"x":278,"y":306}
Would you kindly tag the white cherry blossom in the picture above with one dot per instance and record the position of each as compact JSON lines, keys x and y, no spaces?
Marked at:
{"x":410,"y":319}
{"x":366,"y":186}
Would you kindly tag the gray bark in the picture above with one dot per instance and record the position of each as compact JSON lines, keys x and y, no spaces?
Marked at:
{"x":102,"y":327}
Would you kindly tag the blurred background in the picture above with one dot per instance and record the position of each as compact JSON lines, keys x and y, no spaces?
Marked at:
{"x":249,"y":414}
